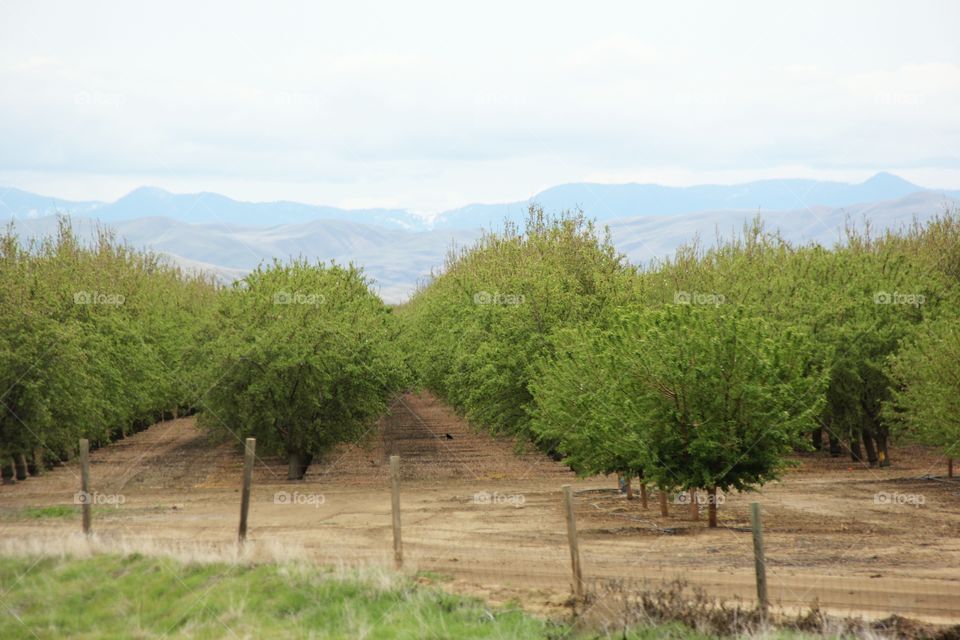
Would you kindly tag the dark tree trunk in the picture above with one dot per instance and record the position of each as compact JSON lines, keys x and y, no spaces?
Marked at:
{"x":868,"y":445}
{"x":949,"y":467}
{"x":818,"y":439}
{"x":835,"y":449}
{"x":664,"y":510}
{"x":883,"y":454}
{"x":643,"y":494}
{"x":297,"y":464}
{"x":694,"y":507}
{"x":8,"y":473}
{"x":712,"y":507}
{"x":629,"y":488}
{"x":20,"y":465}
{"x":36,"y":467}
{"x":855,"y":454}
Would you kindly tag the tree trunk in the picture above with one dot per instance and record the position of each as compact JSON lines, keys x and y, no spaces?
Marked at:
{"x":855,"y":454}
{"x":868,"y":445}
{"x":883,"y":454}
{"x":818,"y":439}
{"x":835,"y":449}
{"x":629,"y":488}
{"x":8,"y":473}
{"x":643,"y":494}
{"x":297,"y":464}
{"x":36,"y":463}
{"x":664,"y":511}
{"x":694,"y":507}
{"x":20,"y":465}
{"x":949,"y":467}
{"x":712,"y":507}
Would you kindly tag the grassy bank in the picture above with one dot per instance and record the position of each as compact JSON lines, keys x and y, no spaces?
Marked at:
{"x":144,"y":597}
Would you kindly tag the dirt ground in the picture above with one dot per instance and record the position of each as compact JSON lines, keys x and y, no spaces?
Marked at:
{"x":481,"y":516}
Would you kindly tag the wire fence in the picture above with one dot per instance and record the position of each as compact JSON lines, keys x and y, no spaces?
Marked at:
{"x":510,"y":539}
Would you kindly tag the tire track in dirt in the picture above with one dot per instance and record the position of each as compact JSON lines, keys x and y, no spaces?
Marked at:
{"x":434,"y":445}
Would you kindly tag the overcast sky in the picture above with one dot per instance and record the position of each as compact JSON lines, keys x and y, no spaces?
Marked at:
{"x":430,"y":106}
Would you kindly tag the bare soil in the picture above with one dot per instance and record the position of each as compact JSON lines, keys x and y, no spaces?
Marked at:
{"x":483,"y":515}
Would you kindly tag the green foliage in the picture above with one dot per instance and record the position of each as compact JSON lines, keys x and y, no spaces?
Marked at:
{"x":925,"y":403}
{"x":477,"y":330}
{"x":93,"y":338}
{"x":802,"y":336}
{"x":694,"y":395}
{"x":301,"y":357}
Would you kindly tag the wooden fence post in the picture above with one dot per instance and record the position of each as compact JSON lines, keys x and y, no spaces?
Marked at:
{"x":395,"y":508}
{"x":250,"y":448}
{"x":86,"y":498}
{"x":949,"y":467}
{"x":572,"y":539}
{"x":758,"y":559}
{"x":664,"y":510}
{"x":643,"y":495}
{"x":694,"y":507}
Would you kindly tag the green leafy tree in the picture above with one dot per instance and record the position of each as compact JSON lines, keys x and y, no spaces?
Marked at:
{"x":694,"y":395}
{"x":301,"y":357}
{"x":925,"y":402}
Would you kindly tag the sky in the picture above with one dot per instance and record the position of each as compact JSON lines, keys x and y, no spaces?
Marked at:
{"x":434,"y":105}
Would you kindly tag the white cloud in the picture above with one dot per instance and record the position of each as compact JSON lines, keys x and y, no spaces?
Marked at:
{"x":426,"y":107}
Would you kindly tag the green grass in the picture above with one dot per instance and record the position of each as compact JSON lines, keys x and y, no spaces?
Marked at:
{"x":138,"y":597}
{"x":141,"y":597}
{"x":56,"y":511}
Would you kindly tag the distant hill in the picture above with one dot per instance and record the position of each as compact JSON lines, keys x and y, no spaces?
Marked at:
{"x":617,"y":201}
{"x":604,"y":202}
{"x":198,"y":208}
{"x":398,"y":259}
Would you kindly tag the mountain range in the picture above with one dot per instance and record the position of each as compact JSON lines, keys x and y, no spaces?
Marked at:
{"x":398,"y":249}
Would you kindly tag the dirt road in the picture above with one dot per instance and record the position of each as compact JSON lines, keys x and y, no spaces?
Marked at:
{"x":485,"y":518}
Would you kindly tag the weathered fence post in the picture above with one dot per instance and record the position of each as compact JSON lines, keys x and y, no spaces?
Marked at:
{"x":694,"y":507}
{"x":250,"y":448}
{"x":572,"y":539}
{"x":395,"y":508}
{"x":758,"y":559}
{"x":86,"y":498}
